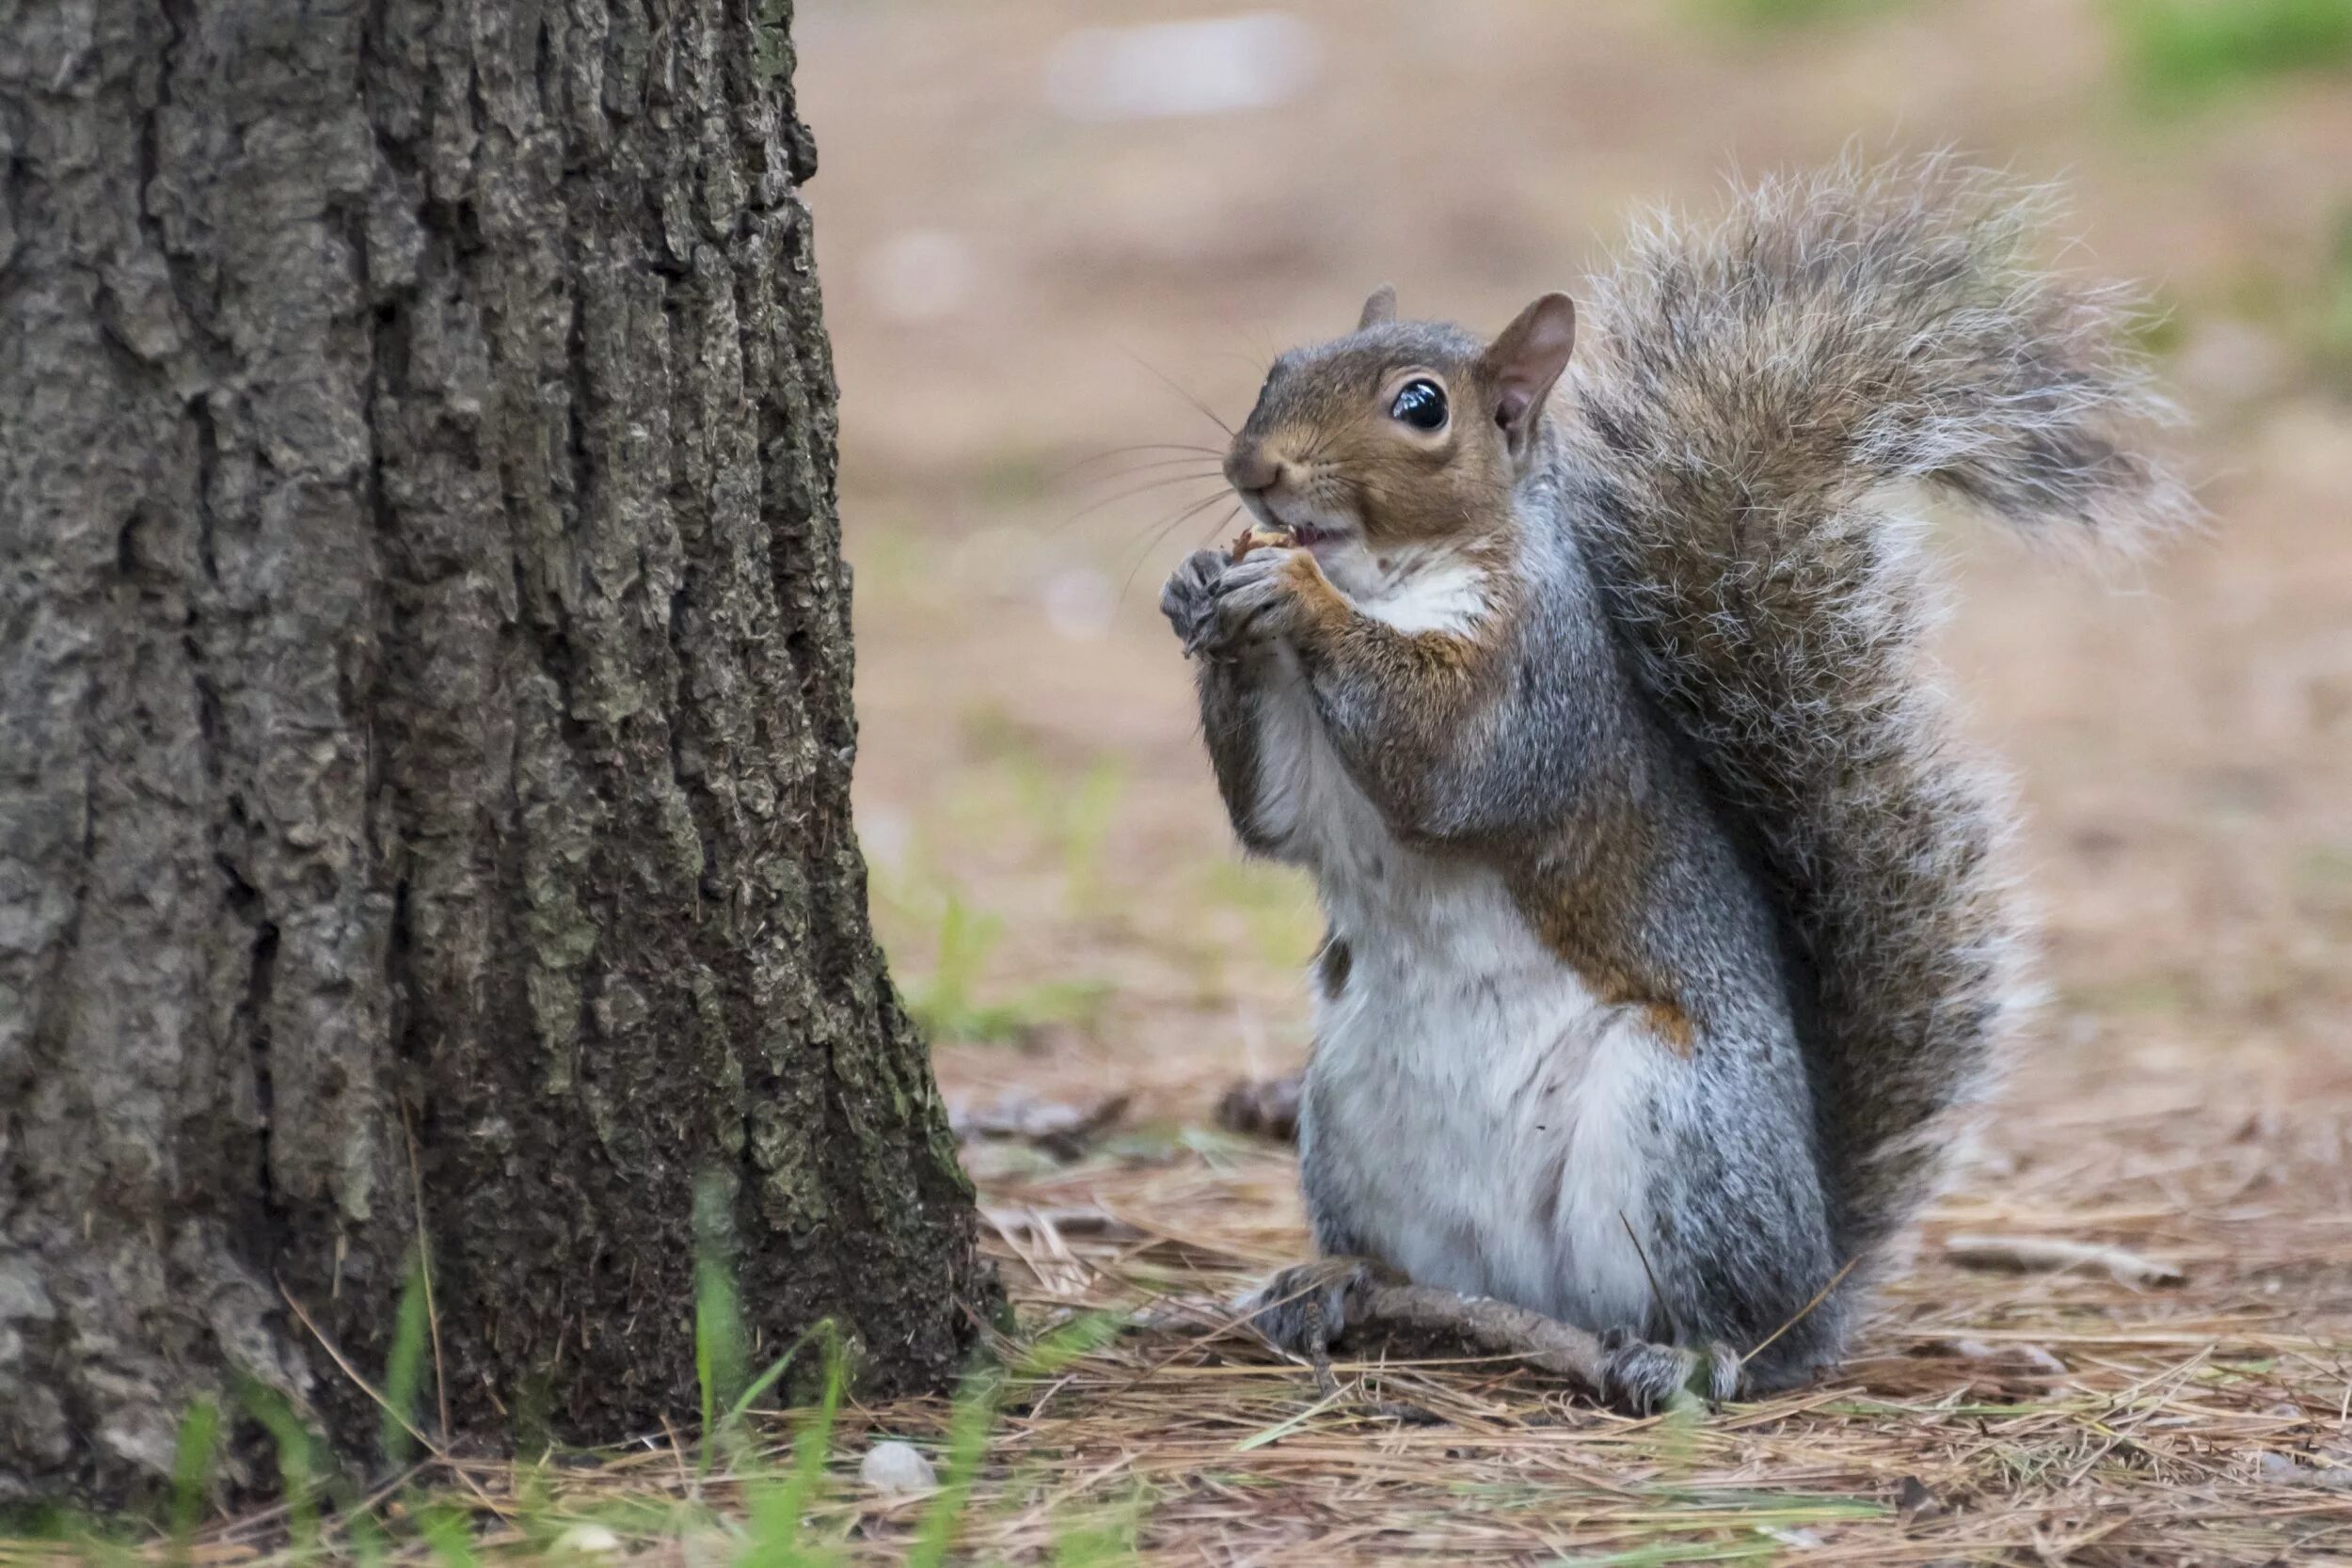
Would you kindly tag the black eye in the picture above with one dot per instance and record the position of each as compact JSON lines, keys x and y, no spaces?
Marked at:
{"x":1421,"y":405}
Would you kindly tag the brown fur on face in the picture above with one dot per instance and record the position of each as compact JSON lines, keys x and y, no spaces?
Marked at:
{"x":1323,"y":449}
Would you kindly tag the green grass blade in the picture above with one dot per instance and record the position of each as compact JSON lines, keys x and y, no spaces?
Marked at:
{"x":719,"y":1342}
{"x":775,"y":1511}
{"x":297,"y":1462}
{"x":1288,"y":1424}
{"x":192,"y":1462}
{"x":448,"y":1535}
{"x":404,"y":1368}
{"x":967,"y":1441}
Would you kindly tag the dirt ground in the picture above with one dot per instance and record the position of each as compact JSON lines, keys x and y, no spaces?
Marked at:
{"x":1014,"y":289}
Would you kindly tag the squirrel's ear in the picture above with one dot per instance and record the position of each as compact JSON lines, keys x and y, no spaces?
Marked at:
{"x":1380,"y":309}
{"x":1523,"y":362}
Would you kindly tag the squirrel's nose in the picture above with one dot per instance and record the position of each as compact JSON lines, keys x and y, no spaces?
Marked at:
{"x":1252,"y":468}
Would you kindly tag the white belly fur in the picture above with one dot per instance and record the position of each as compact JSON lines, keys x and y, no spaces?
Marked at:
{"x":1464,"y":1072}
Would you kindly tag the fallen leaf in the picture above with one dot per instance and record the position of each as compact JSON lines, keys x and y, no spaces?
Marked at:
{"x":2055,"y":1255}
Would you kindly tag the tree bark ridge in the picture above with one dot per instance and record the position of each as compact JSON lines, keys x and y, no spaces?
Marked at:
{"x":425,"y":670}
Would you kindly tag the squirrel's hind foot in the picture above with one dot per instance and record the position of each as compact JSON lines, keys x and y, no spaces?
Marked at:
{"x":1304,"y":1310}
{"x":1642,"y":1378}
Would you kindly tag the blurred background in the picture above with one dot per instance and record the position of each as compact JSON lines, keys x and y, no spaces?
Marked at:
{"x":1046,"y":228}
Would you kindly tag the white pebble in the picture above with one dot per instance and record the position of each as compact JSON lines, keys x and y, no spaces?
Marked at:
{"x":897,"y":1470}
{"x":587,"y":1537}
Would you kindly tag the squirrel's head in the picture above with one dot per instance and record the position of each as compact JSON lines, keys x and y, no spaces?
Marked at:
{"x":1402,"y":433}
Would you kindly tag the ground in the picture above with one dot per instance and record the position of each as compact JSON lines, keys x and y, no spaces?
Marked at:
{"x":1013,"y":293}
{"x":1022,"y":298}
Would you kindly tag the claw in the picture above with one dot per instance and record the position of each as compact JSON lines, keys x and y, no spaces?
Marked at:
{"x":1303,"y":1309}
{"x":1642,"y":1378}
{"x":1189,"y":599}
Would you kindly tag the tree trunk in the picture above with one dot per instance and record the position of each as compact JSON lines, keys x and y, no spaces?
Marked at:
{"x":424,"y":727}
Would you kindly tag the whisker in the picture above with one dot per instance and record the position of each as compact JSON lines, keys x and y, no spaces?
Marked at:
{"x":1206,"y":412}
{"x":1165,"y":529}
{"x":1056,"y":475}
{"x":1196,"y":464}
{"x":1130,"y":493}
{"x":1217,"y":531}
{"x":1262,"y":353}
{"x":1194,"y":510}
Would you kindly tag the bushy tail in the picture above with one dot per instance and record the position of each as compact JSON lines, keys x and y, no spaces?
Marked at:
{"x":1756,"y":387}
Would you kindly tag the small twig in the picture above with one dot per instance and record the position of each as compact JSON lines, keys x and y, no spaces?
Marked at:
{"x":342,"y":1364}
{"x":1487,"y":1326}
{"x":1656,"y":1295}
{"x":1171,"y":1313}
{"x":1493,"y":1327}
{"x":1319,"y":1347}
{"x":678,"y":1454}
{"x":2032,"y":1356}
{"x":1062,"y":1130}
{"x":1008,"y":1221}
{"x":424,"y":1268}
{"x":2052,"y":1255}
{"x":1819,"y":1296}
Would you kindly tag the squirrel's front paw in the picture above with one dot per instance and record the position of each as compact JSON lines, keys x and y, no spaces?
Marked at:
{"x":1218,"y":606}
{"x":1189,"y":599}
{"x":1305,"y":1307}
{"x":1642,"y":1378}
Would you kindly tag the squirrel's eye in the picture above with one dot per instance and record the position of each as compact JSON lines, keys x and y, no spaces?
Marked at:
{"x":1421,"y":405}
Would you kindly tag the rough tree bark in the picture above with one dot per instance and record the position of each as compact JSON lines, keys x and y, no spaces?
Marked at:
{"x":424,"y":724}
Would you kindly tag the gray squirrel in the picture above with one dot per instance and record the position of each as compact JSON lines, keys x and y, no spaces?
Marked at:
{"x":1668,"y":945}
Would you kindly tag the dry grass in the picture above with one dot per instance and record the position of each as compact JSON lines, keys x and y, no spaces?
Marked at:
{"x":1987,"y":1416}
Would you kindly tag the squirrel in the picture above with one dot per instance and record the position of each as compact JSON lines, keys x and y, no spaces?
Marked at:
{"x":1669,"y":945}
